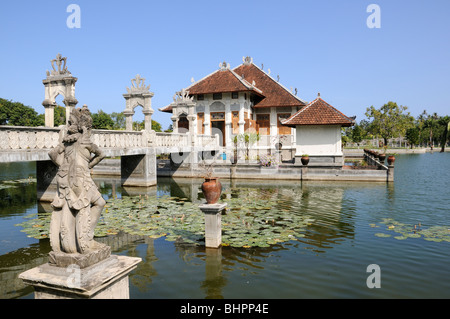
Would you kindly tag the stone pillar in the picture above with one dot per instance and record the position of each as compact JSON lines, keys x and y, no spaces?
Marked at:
{"x":241,"y":120}
{"x":128,"y":119}
{"x":192,"y":129}
{"x":207,"y":121}
{"x":46,"y":180}
{"x":390,"y":173}
{"x":148,"y":120}
{"x":213,"y":224}
{"x":139,"y":170}
{"x":273,"y":122}
{"x":175,"y":123}
{"x":49,"y":114}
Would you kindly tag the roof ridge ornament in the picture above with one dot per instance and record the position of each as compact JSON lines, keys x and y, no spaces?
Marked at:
{"x":247,"y":60}
{"x":224,"y":66}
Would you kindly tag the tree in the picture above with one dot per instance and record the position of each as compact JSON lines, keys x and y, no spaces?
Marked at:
{"x":156,"y":126}
{"x":102,"y":120}
{"x":60,"y":116}
{"x":357,"y":134}
{"x":413,"y":135}
{"x":390,"y":120}
{"x":248,"y":138}
{"x":431,"y":123}
{"x":445,"y":122}
{"x":119,"y":120}
{"x":169,"y":129}
{"x":15,"y":113}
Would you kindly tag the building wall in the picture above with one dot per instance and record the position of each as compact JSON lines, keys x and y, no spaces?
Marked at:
{"x":318,"y":140}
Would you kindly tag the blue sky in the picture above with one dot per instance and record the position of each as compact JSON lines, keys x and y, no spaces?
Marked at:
{"x":315,"y":46}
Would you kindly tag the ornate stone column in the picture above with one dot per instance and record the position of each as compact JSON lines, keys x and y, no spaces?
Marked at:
{"x":138,"y":94}
{"x":59,"y":82}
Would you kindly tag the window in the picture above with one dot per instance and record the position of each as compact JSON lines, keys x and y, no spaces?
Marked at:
{"x":263,"y":121}
{"x":234,"y":95}
{"x":282,"y":129}
{"x":200,"y":97}
{"x":217,"y":96}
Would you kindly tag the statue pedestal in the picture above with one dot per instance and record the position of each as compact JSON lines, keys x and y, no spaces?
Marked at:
{"x":213,"y":224}
{"x":107,"y":279}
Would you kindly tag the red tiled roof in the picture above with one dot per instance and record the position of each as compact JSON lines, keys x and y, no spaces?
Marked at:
{"x":318,"y":112}
{"x":167,"y":109}
{"x":275,"y":94}
{"x":222,"y":81}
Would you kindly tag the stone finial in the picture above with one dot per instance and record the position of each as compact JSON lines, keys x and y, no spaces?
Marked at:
{"x":138,"y":85}
{"x":59,"y":65}
{"x":182,"y":97}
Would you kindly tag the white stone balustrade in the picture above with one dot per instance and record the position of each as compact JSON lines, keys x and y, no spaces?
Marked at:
{"x":36,"y":141}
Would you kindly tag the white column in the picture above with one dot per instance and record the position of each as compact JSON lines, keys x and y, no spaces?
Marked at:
{"x":207,"y":121}
{"x":241,"y":119}
{"x":227,"y":124}
{"x":273,"y":122}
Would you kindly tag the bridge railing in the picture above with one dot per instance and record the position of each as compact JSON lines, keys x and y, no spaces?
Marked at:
{"x":172,"y":139}
{"x":118,"y":139}
{"x":22,"y":138}
{"x":29,"y":138}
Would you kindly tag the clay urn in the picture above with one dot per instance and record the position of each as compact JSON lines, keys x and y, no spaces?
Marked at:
{"x":212,"y":189}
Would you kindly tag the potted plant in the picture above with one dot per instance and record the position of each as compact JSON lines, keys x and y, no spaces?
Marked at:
{"x":391,"y":159}
{"x":211,"y":187}
{"x":305,"y":159}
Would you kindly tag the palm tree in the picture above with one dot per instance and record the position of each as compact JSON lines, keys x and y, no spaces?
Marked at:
{"x":444,"y":121}
{"x":431,"y":122}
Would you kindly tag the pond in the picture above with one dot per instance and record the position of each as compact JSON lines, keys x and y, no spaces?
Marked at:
{"x":282,"y":239}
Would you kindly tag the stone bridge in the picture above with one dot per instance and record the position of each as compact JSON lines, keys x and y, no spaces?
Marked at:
{"x":136,"y":149}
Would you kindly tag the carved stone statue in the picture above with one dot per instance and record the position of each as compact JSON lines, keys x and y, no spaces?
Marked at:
{"x":78,"y":203}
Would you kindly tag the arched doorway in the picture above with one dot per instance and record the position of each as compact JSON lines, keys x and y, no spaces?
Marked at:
{"x":138,"y":95}
{"x":183,"y":124}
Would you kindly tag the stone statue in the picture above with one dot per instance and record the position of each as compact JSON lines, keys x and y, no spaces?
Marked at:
{"x":78,"y":203}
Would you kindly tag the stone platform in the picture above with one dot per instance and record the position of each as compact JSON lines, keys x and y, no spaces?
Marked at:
{"x":107,"y":279}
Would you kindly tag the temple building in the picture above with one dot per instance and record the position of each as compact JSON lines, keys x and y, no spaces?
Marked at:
{"x":229,"y":102}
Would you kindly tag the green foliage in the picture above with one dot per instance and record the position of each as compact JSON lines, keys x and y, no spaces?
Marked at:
{"x":413,"y":135}
{"x":102,"y":120}
{"x":119,"y":120}
{"x":156,"y":126}
{"x":357,"y":134}
{"x":390,"y":120}
{"x":139,"y":126}
{"x":15,"y":113}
